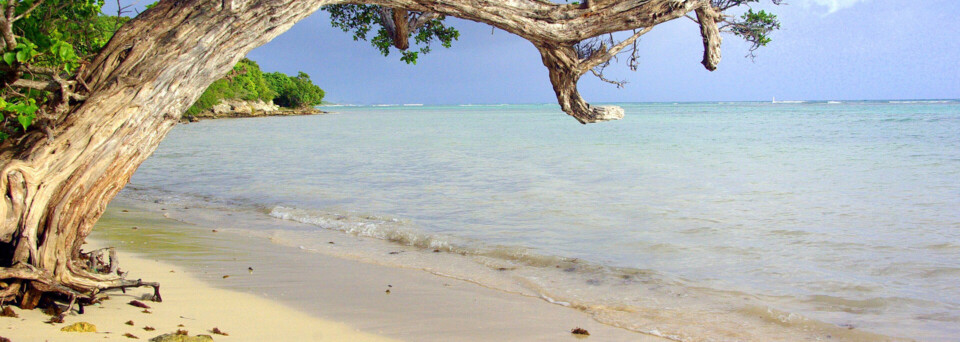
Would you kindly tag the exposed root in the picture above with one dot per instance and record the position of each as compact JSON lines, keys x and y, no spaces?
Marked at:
{"x":27,"y":283}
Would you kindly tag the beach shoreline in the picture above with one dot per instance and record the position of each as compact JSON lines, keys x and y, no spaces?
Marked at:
{"x":189,"y":304}
{"x":345,"y":299}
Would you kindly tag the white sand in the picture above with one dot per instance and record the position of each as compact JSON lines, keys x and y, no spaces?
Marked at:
{"x":198,"y":306}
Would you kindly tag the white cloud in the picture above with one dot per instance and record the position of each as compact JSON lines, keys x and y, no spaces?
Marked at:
{"x":830,"y":5}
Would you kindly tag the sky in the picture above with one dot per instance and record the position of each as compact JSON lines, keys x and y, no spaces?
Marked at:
{"x":826,"y":50}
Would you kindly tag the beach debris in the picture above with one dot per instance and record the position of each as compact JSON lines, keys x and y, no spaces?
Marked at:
{"x":180,"y":325}
{"x":214,"y":230}
{"x":4,"y":339}
{"x":250,"y":269}
{"x":217,"y":331}
{"x":580,"y":331}
{"x":55,"y":319}
{"x":53,"y":309}
{"x":388,"y":285}
{"x":388,"y":291}
{"x":149,"y":328}
{"x":331,"y":242}
{"x":502,"y":269}
{"x":226,"y":276}
{"x":436,"y":251}
{"x":181,"y":336}
{"x":146,"y":311}
{"x":394,"y":253}
{"x":129,"y":323}
{"x":129,"y":335}
{"x":172,"y":271}
{"x":135,"y":228}
{"x":124,"y":211}
{"x":139,"y":304}
{"x":80,"y":327}
{"x":8,"y":312}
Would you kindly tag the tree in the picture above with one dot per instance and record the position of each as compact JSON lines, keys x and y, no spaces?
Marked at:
{"x":108,"y":115}
{"x":246,"y":82}
{"x":295,"y":92}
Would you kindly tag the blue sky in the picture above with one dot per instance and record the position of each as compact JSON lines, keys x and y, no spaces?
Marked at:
{"x":826,"y":50}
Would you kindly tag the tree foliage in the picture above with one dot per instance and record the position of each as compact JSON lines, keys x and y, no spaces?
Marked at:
{"x":248,"y":82}
{"x":295,"y":91}
{"x":424,"y":28}
{"x":44,"y":44}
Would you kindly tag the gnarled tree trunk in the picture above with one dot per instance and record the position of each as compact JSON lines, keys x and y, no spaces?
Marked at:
{"x":55,"y":186}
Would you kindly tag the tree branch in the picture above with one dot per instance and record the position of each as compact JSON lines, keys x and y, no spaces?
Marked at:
{"x":708,"y":16}
{"x":596,"y":59}
{"x":27,"y":12}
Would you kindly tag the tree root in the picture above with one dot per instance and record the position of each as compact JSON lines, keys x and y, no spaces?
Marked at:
{"x":28,"y":283}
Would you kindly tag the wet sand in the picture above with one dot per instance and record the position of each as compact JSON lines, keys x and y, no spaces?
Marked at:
{"x":254,"y":289}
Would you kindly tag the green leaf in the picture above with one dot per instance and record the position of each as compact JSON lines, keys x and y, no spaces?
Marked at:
{"x":21,"y":56}
{"x":3,"y":136}
{"x":25,"y":120}
{"x":10,"y":58}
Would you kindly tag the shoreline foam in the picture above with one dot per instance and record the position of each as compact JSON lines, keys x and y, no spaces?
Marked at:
{"x":421,"y":305}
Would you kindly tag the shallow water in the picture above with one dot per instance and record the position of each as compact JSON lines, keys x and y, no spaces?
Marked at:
{"x":750,"y":220}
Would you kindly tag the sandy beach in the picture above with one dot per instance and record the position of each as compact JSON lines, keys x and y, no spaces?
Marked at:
{"x":221,"y":280}
{"x":188,"y":304}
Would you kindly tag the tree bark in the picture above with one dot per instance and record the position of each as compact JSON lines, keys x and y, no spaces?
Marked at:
{"x":56,"y":184}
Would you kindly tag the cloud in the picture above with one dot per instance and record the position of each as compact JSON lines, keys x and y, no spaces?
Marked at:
{"x":830,"y":5}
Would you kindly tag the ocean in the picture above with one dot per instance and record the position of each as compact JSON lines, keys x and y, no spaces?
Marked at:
{"x":692,"y":221}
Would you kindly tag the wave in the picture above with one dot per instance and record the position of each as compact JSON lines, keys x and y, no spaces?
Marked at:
{"x":636,"y":299}
{"x":922,"y":102}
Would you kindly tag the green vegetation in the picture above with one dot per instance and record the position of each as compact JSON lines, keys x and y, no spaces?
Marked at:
{"x":362,"y":18}
{"x":247,"y":82}
{"x":50,"y":40}
{"x":295,"y":92}
{"x":53,"y":38}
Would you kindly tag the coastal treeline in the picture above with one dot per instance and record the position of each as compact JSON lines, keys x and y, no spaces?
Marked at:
{"x":247,"y":82}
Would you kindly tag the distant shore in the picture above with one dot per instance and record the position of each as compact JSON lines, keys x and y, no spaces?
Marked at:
{"x":208,"y":115}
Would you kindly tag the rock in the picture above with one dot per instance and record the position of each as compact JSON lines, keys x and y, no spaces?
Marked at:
{"x":221,"y":108}
{"x":175,"y":337}
{"x":80,"y":327}
{"x":266,"y":107}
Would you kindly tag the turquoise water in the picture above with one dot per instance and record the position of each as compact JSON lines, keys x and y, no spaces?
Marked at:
{"x":845,"y":214}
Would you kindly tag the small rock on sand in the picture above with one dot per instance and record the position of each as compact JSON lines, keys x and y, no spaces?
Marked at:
{"x":80,"y":327}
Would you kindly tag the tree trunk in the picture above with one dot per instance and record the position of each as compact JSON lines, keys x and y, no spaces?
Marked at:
{"x":56,"y":184}
{"x":151,"y":72}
